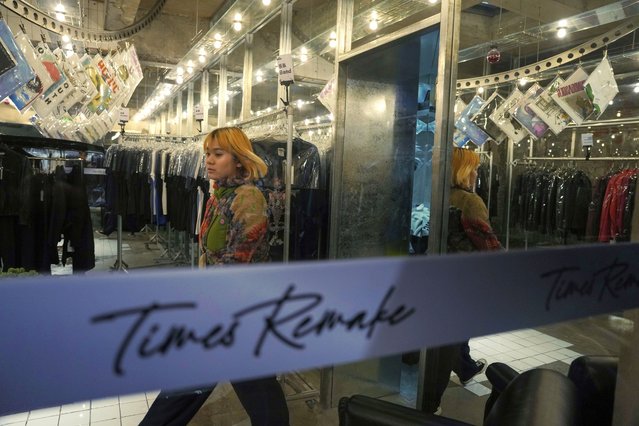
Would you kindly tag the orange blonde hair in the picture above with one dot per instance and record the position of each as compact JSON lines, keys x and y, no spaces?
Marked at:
{"x":234,"y":141}
{"x":464,"y":162}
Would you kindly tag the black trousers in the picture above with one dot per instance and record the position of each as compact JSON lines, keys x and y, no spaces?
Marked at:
{"x":263,"y":400}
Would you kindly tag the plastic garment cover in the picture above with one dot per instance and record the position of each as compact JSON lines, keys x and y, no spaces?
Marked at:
{"x":306,"y":162}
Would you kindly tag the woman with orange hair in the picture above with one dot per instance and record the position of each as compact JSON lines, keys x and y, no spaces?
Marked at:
{"x":233,"y":231}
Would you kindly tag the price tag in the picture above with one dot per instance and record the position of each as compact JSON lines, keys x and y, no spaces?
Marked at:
{"x":199,"y":114}
{"x":586,"y":139}
{"x":285,"y":69}
{"x":124,"y":115}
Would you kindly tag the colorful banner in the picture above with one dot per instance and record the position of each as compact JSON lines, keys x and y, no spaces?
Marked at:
{"x":572,"y":98}
{"x":548,"y":110}
{"x":483,"y":121}
{"x":465,"y":125}
{"x":601,"y":87}
{"x":78,"y":338}
{"x":24,"y":96}
{"x":15,"y":71}
{"x":502,"y":117}
{"x":522,"y":112}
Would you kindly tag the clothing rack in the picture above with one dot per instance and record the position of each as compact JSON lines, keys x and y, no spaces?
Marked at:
{"x":581,"y":159}
{"x":531,"y":161}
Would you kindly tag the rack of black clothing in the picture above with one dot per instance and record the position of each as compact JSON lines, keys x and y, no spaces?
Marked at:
{"x":39,"y":206}
{"x":309,"y":204}
{"x":157,"y":182}
{"x":552,"y":201}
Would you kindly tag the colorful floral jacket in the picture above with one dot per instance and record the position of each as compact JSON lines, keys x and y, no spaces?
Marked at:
{"x":234,"y":225}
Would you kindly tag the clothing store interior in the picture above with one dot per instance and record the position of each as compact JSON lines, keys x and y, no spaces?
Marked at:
{"x":389,"y":129}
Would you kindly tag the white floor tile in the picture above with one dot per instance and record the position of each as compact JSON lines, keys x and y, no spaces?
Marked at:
{"x":569,"y":353}
{"x":44,"y":421}
{"x":511,"y":345}
{"x":14,"y":418}
{"x":150,"y":397}
{"x":98,"y":403}
{"x":45,"y":412}
{"x":133,"y":408}
{"x":21,"y":423}
{"x":480,"y":378}
{"x":556,"y":355}
{"x":77,"y":418}
{"x":561,"y":343}
{"x":548,"y":347}
{"x":132,"y":420}
{"x":519,"y":365}
{"x":545,"y":359}
{"x":478,"y":389}
{"x":132,"y":398}
{"x":105,"y":413}
{"x":112,"y":422}
{"x":78,"y":406}
{"x":533,"y":362}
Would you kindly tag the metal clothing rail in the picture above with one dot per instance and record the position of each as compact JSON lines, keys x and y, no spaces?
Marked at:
{"x":261,"y":117}
{"x":581,"y":159}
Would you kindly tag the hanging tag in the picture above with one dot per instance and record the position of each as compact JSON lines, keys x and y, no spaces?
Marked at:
{"x":586,"y":139}
{"x":285,"y":69}
{"x":199,"y":114}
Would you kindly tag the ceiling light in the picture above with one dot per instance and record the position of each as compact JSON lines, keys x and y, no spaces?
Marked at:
{"x":201,"y":59}
{"x":636,"y":89}
{"x":332,"y":40}
{"x":217,"y":40}
{"x":480,"y":90}
{"x":66,"y":38}
{"x":523,"y":81}
{"x":304,"y":54}
{"x":562,"y":28}
{"x":60,"y":16}
{"x":259,"y":76}
{"x":179,"y":79}
{"x":432,"y":1}
{"x":373,"y":24}
{"x":266,"y":2}
{"x":237,"y":22}
{"x":179,"y":71}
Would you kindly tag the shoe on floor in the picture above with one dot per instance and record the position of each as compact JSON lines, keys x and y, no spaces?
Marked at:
{"x":480,"y":365}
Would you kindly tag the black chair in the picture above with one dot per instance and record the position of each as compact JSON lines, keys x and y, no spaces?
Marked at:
{"x":538,"y":397}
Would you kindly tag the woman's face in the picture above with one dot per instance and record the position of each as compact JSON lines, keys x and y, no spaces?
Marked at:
{"x":220,"y":164}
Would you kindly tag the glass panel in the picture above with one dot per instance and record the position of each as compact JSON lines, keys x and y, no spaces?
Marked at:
{"x":214,"y":84}
{"x":374,"y":19}
{"x":550,"y":195}
{"x":381,"y":154}
{"x":265,"y":47}
{"x":314,"y":62}
{"x":234,"y":67}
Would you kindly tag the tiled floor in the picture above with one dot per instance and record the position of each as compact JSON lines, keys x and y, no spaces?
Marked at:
{"x":522,"y":350}
{"x":120,"y":411}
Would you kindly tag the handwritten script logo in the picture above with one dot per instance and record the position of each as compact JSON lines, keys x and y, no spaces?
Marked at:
{"x":571,"y":281}
{"x":287,"y":319}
